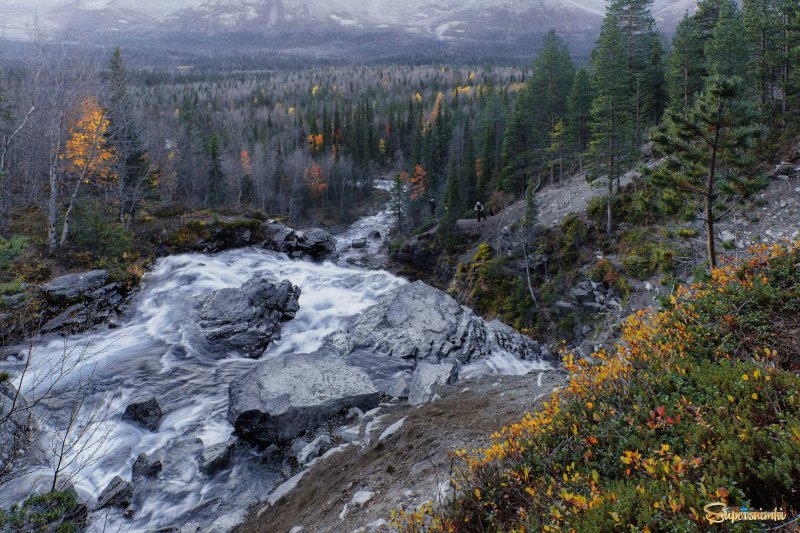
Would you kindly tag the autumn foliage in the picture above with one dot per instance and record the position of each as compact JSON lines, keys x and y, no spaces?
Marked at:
{"x":699,"y":403}
{"x":86,"y":152}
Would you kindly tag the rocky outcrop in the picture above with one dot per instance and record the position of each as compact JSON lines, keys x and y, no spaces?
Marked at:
{"x":73,"y":287}
{"x":248,"y":319}
{"x":282,"y":398}
{"x":417,"y":324}
{"x":146,"y":414}
{"x":76,"y":302}
{"x":314,"y":243}
{"x":118,"y":493}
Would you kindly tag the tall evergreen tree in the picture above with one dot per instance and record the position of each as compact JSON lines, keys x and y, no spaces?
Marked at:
{"x":579,"y":104}
{"x":642,"y":59}
{"x":761,"y":21}
{"x":708,"y":150}
{"x":611,"y":148}
{"x":726,"y":51}
{"x":539,"y":114}
{"x":216,"y":193}
{"x":686,"y":67}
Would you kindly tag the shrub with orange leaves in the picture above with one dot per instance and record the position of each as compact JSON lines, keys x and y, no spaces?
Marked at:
{"x":699,"y":402}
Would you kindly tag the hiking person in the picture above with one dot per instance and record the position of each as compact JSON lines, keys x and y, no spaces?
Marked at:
{"x":432,"y":204}
{"x":480,"y":210}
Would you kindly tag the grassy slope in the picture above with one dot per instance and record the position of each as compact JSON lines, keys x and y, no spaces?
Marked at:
{"x":699,"y":403}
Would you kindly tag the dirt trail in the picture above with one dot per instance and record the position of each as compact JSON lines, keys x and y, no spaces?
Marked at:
{"x":408,"y":468}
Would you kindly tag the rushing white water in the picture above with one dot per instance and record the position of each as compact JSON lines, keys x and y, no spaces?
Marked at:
{"x":155,"y":352}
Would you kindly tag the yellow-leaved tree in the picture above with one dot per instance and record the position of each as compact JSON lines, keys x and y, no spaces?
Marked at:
{"x":87,"y":154}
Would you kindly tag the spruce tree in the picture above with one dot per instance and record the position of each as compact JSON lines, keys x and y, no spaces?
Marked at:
{"x":709,"y":150}
{"x":216,"y":189}
{"x":611,"y":148}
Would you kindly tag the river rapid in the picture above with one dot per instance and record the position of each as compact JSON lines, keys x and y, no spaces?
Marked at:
{"x":156,"y":352}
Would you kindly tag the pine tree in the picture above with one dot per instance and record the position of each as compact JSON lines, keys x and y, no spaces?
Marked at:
{"x":686,"y":63}
{"x":708,"y":150}
{"x":579,"y":104}
{"x":611,"y":146}
{"x":726,"y":50}
{"x":469,"y":175}
{"x":454,"y":203}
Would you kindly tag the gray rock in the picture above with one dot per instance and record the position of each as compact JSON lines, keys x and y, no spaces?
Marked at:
{"x":118,"y":493}
{"x":315,"y":243}
{"x":427,"y":379}
{"x":147,"y":414}
{"x":594,"y":307}
{"x":145,"y":467}
{"x":248,"y":319}
{"x":181,"y":458}
{"x":358,"y":244}
{"x":217,"y":457}
{"x":564,"y":307}
{"x":74,"y":287}
{"x":284,"y":397}
{"x":312,"y":450}
{"x":419,"y":323}
{"x":375,"y":235}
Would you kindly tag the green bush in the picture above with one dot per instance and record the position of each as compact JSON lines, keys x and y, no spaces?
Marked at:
{"x":10,"y":249}
{"x":59,"y":512}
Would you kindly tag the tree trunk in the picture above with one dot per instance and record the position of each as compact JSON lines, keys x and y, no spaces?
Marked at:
{"x":52,"y":215}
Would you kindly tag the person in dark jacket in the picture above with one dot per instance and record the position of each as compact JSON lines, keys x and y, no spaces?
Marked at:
{"x":481,"y":211}
{"x":432,"y":204}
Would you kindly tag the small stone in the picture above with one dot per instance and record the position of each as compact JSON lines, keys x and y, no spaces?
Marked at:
{"x":358,"y":244}
{"x":118,"y":493}
{"x":375,"y":235}
{"x":362,"y":497}
{"x":147,"y":414}
{"x":216,"y":457}
{"x":145,"y":467}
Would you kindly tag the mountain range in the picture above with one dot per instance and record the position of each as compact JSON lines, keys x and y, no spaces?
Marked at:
{"x":442,"y":20}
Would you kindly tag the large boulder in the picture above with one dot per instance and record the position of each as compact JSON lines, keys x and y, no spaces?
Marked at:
{"x":248,"y":319}
{"x":315,"y":243}
{"x":146,"y":414}
{"x":418,"y":323}
{"x":282,"y":398}
{"x":74,"y":287}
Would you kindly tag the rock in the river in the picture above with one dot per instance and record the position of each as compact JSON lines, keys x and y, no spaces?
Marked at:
{"x":145,"y":467}
{"x":358,"y":244}
{"x":118,"y":493}
{"x":147,"y":414}
{"x":248,"y":319}
{"x":315,"y":243}
{"x":418,"y":323}
{"x":282,"y":398}
{"x":375,"y":235}
{"x":216,"y":457}
{"x":427,"y":379}
{"x":73,"y":287}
